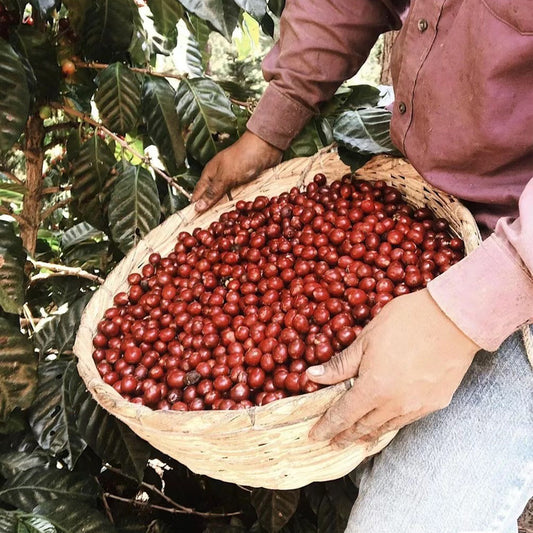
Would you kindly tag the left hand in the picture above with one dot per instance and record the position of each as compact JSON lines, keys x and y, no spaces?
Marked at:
{"x":408,"y":362}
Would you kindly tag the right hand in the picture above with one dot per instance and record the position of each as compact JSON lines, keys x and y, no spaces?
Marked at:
{"x":238,"y":164}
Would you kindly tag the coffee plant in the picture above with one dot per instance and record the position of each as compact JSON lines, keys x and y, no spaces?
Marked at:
{"x":82,"y":106}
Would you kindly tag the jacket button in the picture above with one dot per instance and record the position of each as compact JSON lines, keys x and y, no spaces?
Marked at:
{"x":422,"y":25}
{"x":402,"y":108}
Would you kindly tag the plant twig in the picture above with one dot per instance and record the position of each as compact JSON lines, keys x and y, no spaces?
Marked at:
{"x":60,"y":126}
{"x":177,"y":508}
{"x":47,"y":212}
{"x":149,"y":71}
{"x":27,"y":313}
{"x":62,"y":270}
{"x":108,"y":512}
{"x":126,"y":146}
{"x":7,"y":211}
{"x":54,"y":190}
{"x":11,"y":176}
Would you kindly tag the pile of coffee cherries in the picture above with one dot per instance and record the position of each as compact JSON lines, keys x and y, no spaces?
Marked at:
{"x":235,"y":315}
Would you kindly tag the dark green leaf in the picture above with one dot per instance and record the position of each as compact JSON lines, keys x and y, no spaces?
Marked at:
{"x":314,"y":494}
{"x":52,"y":418}
{"x":91,"y":178}
{"x":307,"y":143}
{"x":11,"y":192}
{"x":14,"y":423}
{"x":33,"y":44}
{"x":78,"y":234}
{"x":329,"y":521}
{"x":256,"y":8}
{"x":158,"y":526}
{"x":76,"y":12}
{"x":342,"y":494}
{"x":12,"y":259}
{"x":108,"y":29}
{"x":118,"y":98}
{"x":12,"y":463}
{"x":111,"y":440}
{"x":69,"y":322}
{"x":162,"y":122}
{"x":166,"y":14}
{"x":274,"y":507}
{"x":134,"y":207}
{"x":365,"y":131}
{"x":35,"y":486}
{"x":18,"y":365}
{"x":206,"y":117}
{"x":353,"y":159}
{"x":15,"y":101}
{"x":17,"y":522}
{"x":197,"y":53}
{"x":223,"y":15}
{"x":276,"y":6}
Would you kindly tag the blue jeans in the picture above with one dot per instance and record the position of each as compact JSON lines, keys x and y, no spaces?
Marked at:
{"x":465,"y":469}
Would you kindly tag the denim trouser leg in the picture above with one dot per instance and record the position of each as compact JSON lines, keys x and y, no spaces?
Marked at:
{"x":467,"y":468}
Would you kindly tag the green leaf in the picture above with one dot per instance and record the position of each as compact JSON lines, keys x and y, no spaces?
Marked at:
{"x":166,"y":14}
{"x":276,"y":6}
{"x":17,"y":522}
{"x":118,"y":98}
{"x":52,"y":419}
{"x":71,"y":516}
{"x":110,"y":439}
{"x":342,"y":494}
{"x":35,"y":486}
{"x":134,"y":206}
{"x":329,"y":521}
{"x":78,"y":234}
{"x":18,"y":365}
{"x":33,"y":44}
{"x":12,"y":259}
{"x":365,"y":131}
{"x":108,"y":29}
{"x":223,"y":15}
{"x":307,"y":143}
{"x":206,"y":117}
{"x":256,"y":8}
{"x":11,"y":192}
{"x":197,"y":53}
{"x":274,"y":507}
{"x":91,"y":179}
{"x":162,"y":122}
{"x":12,"y":463}
{"x":15,"y":101}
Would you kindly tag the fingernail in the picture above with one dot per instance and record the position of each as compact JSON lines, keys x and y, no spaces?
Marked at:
{"x":316,"y":370}
{"x":200,"y":205}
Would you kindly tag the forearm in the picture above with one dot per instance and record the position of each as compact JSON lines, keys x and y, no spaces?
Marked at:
{"x":322,"y":43}
{"x":489,"y":294}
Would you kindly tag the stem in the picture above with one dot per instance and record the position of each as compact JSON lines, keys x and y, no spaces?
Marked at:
{"x":148,"y":71}
{"x":6,"y":211}
{"x":108,"y":512}
{"x":31,"y":209}
{"x":52,"y":208}
{"x":53,"y":190}
{"x":179,"y":508}
{"x":11,"y":176}
{"x":61,"y":126}
{"x":126,"y":146}
{"x":62,"y":270}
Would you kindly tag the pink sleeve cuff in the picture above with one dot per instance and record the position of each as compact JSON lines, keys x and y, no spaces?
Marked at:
{"x":278,"y":118}
{"x":488,"y":295}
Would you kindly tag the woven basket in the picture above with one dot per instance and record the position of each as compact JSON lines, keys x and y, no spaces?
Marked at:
{"x":263,"y":446}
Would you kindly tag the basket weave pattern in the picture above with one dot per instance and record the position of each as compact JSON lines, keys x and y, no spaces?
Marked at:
{"x":263,"y":446}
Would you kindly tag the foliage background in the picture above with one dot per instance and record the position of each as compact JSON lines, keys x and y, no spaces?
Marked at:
{"x":109,"y":110}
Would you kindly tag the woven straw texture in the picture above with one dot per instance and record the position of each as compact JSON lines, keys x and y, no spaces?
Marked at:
{"x":262,"y":446}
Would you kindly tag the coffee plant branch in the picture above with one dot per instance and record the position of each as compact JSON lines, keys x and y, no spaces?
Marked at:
{"x":62,"y":270}
{"x":177,"y":508}
{"x":10,"y":176}
{"x":7,"y":211}
{"x":47,"y":212}
{"x":146,"y":160}
{"x":54,"y":190}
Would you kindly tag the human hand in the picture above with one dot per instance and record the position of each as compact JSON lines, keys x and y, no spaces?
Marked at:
{"x":407,"y":363}
{"x":238,"y":164}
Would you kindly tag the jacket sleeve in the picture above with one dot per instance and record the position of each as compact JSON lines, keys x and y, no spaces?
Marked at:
{"x":322,"y":43}
{"x":489,"y":294}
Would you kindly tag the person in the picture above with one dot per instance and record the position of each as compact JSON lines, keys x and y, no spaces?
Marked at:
{"x":447,"y":363}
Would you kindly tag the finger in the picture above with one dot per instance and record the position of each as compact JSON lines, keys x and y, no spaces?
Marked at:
{"x":342,"y":366}
{"x":209,"y":189}
{"x":369,"y":427}
{"x":347,"y":410}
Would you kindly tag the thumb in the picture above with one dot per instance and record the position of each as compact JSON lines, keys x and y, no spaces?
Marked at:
{"x":209,"y":188}
{"x":342,"y":366}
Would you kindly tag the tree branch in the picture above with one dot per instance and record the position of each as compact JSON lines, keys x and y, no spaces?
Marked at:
{"x":177,"y":508}
{"x":148,"y":71}
{"x":7,"y":211}
{"x":61,"y":126}
{"x":54,"y":190}
{"x":62,"y":270}
{"x":11,"y":176}
{"x":126,"y":146}
{"x":47,"y":212}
